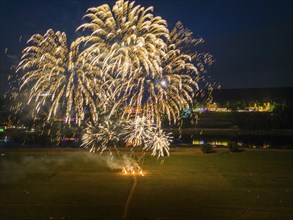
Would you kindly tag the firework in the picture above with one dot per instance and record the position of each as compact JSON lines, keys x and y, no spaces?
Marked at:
{"x":183,"y":39}
{"x":138,"y":129}
{"x":128,"y":49}
{"x":159,"y":143}
{"x":142,"y":132}
{"x":128,"y":43}
{"x":125,"y":40}
{"x":101,"y":137}
{"x":131,"y":166}
{"x":124,"y":74}
{"x":59,"y":75}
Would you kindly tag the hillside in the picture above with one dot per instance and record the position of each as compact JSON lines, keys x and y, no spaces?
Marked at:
{"x":261,"y":94}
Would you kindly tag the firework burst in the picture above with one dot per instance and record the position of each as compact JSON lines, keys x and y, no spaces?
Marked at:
{"x":126,"y":59}
{"x":132,"y":46}
{"x":159,"y":143}
{"x":125,"y":40}
{"x":142,"y":132}
{"x":128,"y":43}
{"x":59,"y":75}
{"x":183,"y":38}
{"x":138,"y":129}
{"x":101,"y":137}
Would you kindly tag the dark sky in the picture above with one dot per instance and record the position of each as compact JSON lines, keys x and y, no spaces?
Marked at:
{"x":250,"y":40}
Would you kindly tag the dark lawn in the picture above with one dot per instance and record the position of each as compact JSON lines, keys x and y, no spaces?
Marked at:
{"x":73,"y":184}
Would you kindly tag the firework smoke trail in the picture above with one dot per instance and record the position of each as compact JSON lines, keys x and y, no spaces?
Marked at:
{"x":126,"y":164}
{"x":131,"y":165}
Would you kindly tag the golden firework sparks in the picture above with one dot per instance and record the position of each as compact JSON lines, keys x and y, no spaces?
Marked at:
{"x":127,"y":59}
{"x":51,"y":68}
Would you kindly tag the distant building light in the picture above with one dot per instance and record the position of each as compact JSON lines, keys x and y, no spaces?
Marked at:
{"x":214,"y":143}
{"x":198,"y":142}
{"x":69,"y":139}
{"x":201,"y":109}
{"x":219,"y":143}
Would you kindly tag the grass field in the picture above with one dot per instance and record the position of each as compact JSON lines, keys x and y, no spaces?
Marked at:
{"x":73,"y":184}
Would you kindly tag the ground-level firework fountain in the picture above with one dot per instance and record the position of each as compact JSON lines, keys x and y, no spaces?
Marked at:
{"x":133,"y":170}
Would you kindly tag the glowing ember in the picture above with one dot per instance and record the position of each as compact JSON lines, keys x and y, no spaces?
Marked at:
{"x":133,"y":170}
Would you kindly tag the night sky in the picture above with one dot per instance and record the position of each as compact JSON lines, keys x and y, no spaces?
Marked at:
{"x":250,"y":40}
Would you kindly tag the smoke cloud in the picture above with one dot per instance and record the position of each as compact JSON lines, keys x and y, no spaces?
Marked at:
{"x":14,"y":167}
